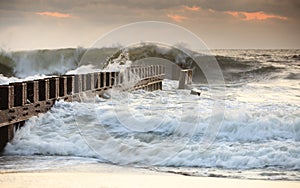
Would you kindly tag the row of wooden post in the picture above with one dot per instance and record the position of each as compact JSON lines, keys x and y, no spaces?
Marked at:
{"x":21,"y":100}
{"x":21,"y":93}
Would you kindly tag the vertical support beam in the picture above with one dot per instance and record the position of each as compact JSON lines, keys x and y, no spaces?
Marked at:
{"x":3,"y":137}
{"x":92,"y":81}
{"x":182,"y":80}
{"x":143,"y":72}
{"x":135,"y":74}
{"x":154,"y":70}
{"x":43,"y":85}
{"x":117,"y":75}
{"x":10,"y":132}
{"x":122,"y":78}
{"x":151,"y":71}
{"x":185,"y":78}
{"x":107,"y":79}
{"x":32,"y":91}
{"x":83,"y":82}
{"x":78,"y":83}
{"x":113,"y":78}
{"x":6,"y":135}
{"x":128,"y":73}
{"x":102,"y":79}
{"x":53,"y":87}
{"x":70,"y":84}
{"x":159,"y":70}
{"x":6,"y":97}
{"x":88,"y":82}
{"x":97,"y":80}
{"x":146,"y":72}
{"x":19,"y":93}
{"x":189,"y":76}
{"x":139,"y":73}
{"x":62,"y":86}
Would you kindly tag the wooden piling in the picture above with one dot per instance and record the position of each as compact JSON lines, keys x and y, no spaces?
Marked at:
{"x":32,"y":92}
{"x":53,"y":88}
{"x":70,"y":84}
{"x":43,"y":85}
{"x":62,"y":86}
{"x":6,"y":97}
{"x":83,"y":82}
{"x":185,"y":78}
{"x":107,"y":79}
{"x":19,"y":93}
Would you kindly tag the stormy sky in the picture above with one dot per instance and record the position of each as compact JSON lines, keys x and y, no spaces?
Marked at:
{"x":37,"y":24}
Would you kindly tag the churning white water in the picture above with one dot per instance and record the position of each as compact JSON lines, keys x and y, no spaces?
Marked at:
{"x":164,"y":130}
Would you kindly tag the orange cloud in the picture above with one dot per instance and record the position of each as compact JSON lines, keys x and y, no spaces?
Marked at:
{"x":193,"y":8}
{"x":255,"y":15}
{"x":176,"y":17}
{"x":54,"y":14}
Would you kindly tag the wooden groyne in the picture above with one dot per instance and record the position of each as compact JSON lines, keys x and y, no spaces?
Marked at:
{"x":20,"y":101}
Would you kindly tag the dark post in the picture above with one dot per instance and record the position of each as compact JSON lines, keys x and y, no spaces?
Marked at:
{"x":19,"y":93}
{"x":147,"y":73}
{"x":97,"y":80}
{"x":113,"y":78}
{"x":62,"y":86}
{"x":6,"y":97}
{"x":6,"y":135}
{"x":54,"y":87}
{"x":78,"y":85}
{"x":32,"y":91}
{"x":83,"y":82}
{"x":88,"y":81}
{"x":107,"y":79}
{"x":102,"y":79}
{"x":43,"y":89}
{"x":142,"y":72}
{"x":70,"y":84}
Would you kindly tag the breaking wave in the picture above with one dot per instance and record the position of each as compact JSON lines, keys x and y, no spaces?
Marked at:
{"x":235,"y":67}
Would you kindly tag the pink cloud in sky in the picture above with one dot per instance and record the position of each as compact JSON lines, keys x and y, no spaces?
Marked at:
{"x":177,"y":17}
{"x":193,"y":8}
{"x":54,"y":14}
{"x":255,"y":15}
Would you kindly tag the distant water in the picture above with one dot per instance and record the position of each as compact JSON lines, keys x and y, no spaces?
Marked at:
{"x":259,"y":137}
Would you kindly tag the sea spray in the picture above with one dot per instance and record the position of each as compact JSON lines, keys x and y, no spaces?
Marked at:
{"x":260,"y":131}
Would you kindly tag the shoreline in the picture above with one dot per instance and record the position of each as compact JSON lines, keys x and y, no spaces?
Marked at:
{"x":107,"y":175}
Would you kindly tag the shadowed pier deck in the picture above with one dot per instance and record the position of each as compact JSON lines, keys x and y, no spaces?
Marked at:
{"x":21,"y":100}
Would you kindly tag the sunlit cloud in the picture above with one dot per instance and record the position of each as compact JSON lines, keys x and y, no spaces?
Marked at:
{"x":54,"y":14}
{"x":255,"y":15}
{"x":176,"y":17}
{"x":193,"y":8}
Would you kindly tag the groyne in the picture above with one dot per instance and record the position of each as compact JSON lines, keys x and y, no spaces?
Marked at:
{"x":20,"y":101}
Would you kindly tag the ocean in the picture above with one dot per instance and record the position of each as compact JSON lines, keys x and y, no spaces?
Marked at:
{"x":165,"y":130}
